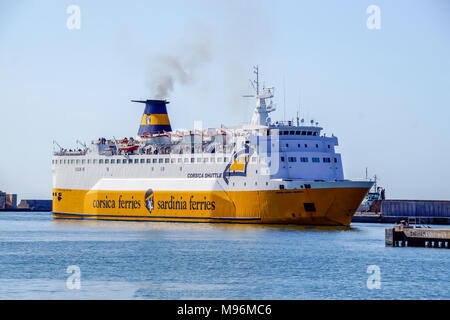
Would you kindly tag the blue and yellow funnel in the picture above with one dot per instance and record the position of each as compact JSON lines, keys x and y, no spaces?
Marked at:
{"x":155,"y":118}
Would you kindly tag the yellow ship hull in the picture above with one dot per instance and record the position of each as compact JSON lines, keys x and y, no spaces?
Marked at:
{"x":321,"y":206}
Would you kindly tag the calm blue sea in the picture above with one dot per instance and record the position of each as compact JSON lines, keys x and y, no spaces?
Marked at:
{"x":130,"y":260}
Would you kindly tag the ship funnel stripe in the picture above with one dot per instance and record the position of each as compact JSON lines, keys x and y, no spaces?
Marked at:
{"x":155,"y":119}
{"x":143,"y":130}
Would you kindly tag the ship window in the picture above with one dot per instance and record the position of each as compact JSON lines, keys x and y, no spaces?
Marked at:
{"x":297,"y":132}
{"x":77,"y":161}
{"x":298,"y":145}
{"x":292,"y":132}
{"x":328,"y":146}
{"x":166,"y":160}
{"x":281,"y":186}
{"x":282,"y":159}
{"x":285,"y":133}
{"x":124,"y":160}
{"x":315,"y":134}
{"x":292,"y":159}
{"x":267,"y":183}
{"x":100,"y":161}
{"x":225,"y":159}
{"x":186,"y":160}
{"x":335,"y":160}
{"x":199,"y":159}
{"x":304,"y":159}
{"x":153,"y":168}
{"x":287,"y":145}
{"x":179,"y":160}
{"x":306,"y":146}
{"x":212,"y":160}
{"x":309,"y":133}
{"x":130,"y":161}
{"x":205,"y":160}
{"x":245,"y":183}
{"x":94,"y":161}
{"x":280,"y":133}
{"x":326,"y":160}
{"x":113,"y":161}
{"x":149,"y":160}
{"x":303,"y":133}
{"x":106,"y":160}
{"x":317,"y":145}
{"x":136,"y":160}
{"x":309,"y":207}
{"x":172,"y":160}
{"x":155,"y":161}
{"x":315,"y":159}
{"x":192,"y":160}
{"x":160,"y":160}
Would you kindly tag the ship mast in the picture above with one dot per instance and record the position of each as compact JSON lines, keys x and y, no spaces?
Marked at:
{"x":261,"y":112}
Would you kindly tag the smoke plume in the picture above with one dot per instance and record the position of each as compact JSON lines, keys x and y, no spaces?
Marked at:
{"x":180,"y":66}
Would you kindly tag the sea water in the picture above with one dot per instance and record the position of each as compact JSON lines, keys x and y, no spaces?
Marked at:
{"x":42,"y":258}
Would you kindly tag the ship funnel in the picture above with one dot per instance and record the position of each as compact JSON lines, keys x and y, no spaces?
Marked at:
{"x":155,"y":118}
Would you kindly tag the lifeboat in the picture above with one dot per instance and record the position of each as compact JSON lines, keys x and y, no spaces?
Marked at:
{"x":129,"y":148}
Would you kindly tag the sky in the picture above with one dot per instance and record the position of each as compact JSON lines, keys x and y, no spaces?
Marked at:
{"x":385,"y":93}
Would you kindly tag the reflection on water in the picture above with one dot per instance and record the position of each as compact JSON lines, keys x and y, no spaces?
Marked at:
{"x":160,"y":260}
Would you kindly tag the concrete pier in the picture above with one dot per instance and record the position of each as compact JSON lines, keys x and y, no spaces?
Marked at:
{"x":411,"y":236}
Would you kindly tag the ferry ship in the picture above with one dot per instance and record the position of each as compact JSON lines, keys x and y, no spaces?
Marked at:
{"x":263,"y":172}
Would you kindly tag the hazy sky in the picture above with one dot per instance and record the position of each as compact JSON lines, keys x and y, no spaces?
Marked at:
{"x":385,"y":93}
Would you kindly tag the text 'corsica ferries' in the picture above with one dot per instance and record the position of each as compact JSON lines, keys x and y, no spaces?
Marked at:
{"x":263,"y":172}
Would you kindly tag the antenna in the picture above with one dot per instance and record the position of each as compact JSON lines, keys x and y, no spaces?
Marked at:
{"x":256,"y":71}
{"x":284,"y":101}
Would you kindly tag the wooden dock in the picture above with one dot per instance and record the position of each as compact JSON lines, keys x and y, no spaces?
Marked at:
{"x":411,"y":236}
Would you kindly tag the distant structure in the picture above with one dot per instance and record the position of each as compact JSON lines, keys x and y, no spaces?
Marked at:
{"x":7,"y":201}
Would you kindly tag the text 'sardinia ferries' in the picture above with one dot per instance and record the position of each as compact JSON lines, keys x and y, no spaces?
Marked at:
{"x":263,"y":172}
